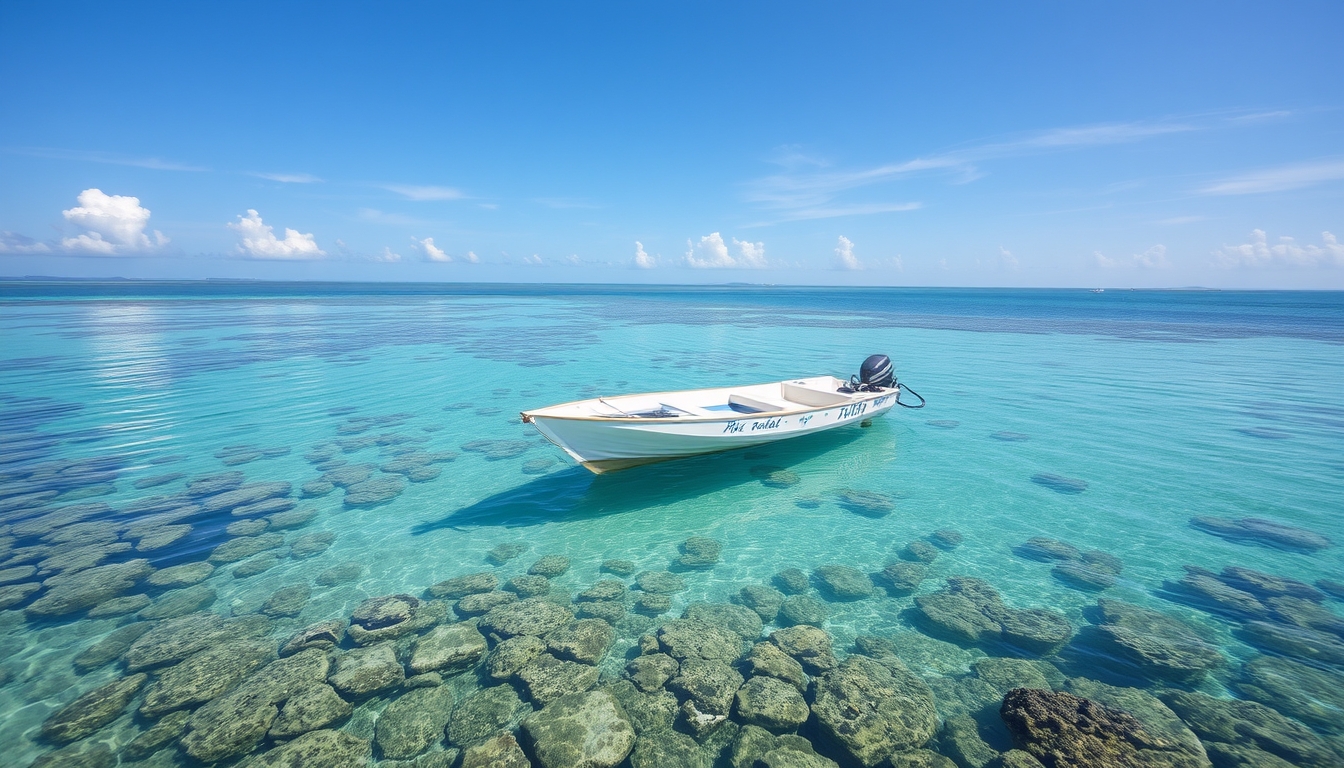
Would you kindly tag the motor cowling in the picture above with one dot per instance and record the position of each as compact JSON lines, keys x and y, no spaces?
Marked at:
{"x":877,"y":372}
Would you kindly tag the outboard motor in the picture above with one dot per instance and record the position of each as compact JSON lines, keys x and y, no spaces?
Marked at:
{"x":876,"y":373}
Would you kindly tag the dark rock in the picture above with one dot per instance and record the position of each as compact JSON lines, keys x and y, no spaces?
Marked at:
{"x":668,"y":749}
{"x":809,"y":646}
{"x":686,"y":639}
{"x":711,"y":684}
{"x":391,"y":616}
{"x":1081,"y":576}
{"x":1005,"y":674}
{"x":792,"y":581}
{"x":781,"y":478}
{"x":651,"y":672}
{"x":699,"y":552}
{"x":547,"y":678}
{"x":660,"y":582}
{"x":341,"y":573}
{"x":120,"y":606}
{"x":901,"y":579}
{"x":69,"y":593}
{"x":550,"y":566}
{"x":484,"y":602}
{"x":311,"y":544}
{"x":1059,"y":483}
{"x":533,"y":616}
{"x":1307,"y":614}
{"x":1242,"y":756}
{"x":309,"y":709}
{"x":873,"y":646}
{"x":287,"y":601}
{"x":945,"y":538}
{"x":484,"y":714}
{"x":446,"y":648}
{"x":85,"y":754}
{"x":610,"y":611}
{"x":247,"y":527}
{"x":318,"y":488}
{"x":173,"y":640}
{"x":180,"y":602}
{"x":512,"y":655}
{"x":585,"y":640}
{"x":1254,"y":530}
{"x":960,"y":738}
{"x":496,"y":450}
{"x":1103,"y":561}
{"x":1266,"y":585}
{"x":365,"y":671}
{"x":767,"y":659}
{"x":735,"y":618}
{"x":1156,"y":717}
{"x":1247,"y":723}
{"x":1314,"y":696}
{"x":765,"y":601}
{"x":651,"y":604}
{"x":530,"y":586}
{"x":1203,"y":590}
{"x":15,"y":594}
{"x":414,"y":722}
{"x":920,"y":552}
{"x":244,"y":547}
{"x":326,"y":748}
{"x":803,"y":609}
{"x":1158,"y":646}
{"x":91,"y":711}
{"x":502,"y":553}
{"x":872,"y":709}
{"x":110,"y":647}
{"x":772,"y":704}
{"x":253,"y":566}
{"x":1296,"y":642}
{"x":617,"y":567}
{"x":500,"y":752}
{"x":209,"y":485}
{"x":1331,"y":587}
{"x":842,"y":582}
{"x":1061,"y":729}
{"x":752,"y":743}
{"x":581,"y":730}
{"x":606,"y":589}
{"x":204,"y":675}
{"x":1047,"y":549}
{"x":969,"y":610}
{"x":374,"y":492}
{"x":326,"y":634}
{"x":461,"y":586}
{"x":652,"y":711}
{"x":866,"y":503}
{"x":161,"y":734}
{"x":292,"y":518}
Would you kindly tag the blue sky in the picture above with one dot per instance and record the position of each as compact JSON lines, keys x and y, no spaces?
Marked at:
{"x":1032,"y":144}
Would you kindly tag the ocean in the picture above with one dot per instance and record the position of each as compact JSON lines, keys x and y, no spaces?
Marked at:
{"x":1131,"y":497}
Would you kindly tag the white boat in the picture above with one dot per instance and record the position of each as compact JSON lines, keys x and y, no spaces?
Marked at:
{"x":610,"y":433}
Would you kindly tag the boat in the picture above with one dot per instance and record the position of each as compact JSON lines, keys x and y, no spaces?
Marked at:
{"x":606,"y":434}
{"x":1098,"y":290}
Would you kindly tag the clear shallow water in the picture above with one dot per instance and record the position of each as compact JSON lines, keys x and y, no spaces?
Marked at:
{"x":1166,"y":405}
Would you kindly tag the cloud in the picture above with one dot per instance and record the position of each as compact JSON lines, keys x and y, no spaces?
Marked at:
{"x":109,"y":158}
{"x":431,"y":251}
{"x":1286,"y":252}
{"x":1280,"y":179}
{"x":1153,"y":258}
{"x":472,"y":258}
{"x":535,"y":260}
{"x":289,"y":178}
{"x":1007,"y":259}
{"x":419,"y":193}
{"x":115,"y":223}
{"x":259,"y":240}
{"x":642,"y":259}
{"x":844,"y":255}
{"x":387,"y":256}
{"x":803,"y":193}
{"x":712,"y":253}
{"x":13,"y":242}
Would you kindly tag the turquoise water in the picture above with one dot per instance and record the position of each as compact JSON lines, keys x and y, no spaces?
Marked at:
{"x":1165,"y":406}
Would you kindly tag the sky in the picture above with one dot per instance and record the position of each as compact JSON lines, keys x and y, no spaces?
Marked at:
{"x":1050,"y":144}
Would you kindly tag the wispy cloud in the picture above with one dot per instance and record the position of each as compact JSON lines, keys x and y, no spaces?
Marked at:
{"x":807,"y":189}
{"x":397,"y":219}
{"x":288,"y":178}
{"x":423,"y":193}
{"x":1279,"y":179}
{"x":109,"y":158}
{"x":1152,"y":258}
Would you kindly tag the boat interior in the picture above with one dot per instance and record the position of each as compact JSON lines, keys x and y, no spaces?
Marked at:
{"x":780,"y":397}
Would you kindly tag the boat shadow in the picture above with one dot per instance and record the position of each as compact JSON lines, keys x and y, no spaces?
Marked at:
{"x":575,"y":493}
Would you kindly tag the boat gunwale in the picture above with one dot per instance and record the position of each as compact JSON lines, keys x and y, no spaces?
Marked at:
{"x":528,"y":416}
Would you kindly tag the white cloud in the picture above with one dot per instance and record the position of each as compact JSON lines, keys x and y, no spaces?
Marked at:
{"x":289,"y":178}
{"x":1280,"y":179}
{"x":13,"y":242}
{"x":387,"y":256}
{"x":421,"y":193}
{"x":115,"y":223}
{"x":1153,"y":258}
{"x":1007,"y":259}
{"x":259,"y":240}
{"x":712,"y":253}
{"x":472,"y":258}
{"x":535,"y":260}
{"x":844,"y":255}
{"x":110,"y":158}
{"x":1286,"y":252}
{"x":642,"y":259}
{"x":431,"y":251}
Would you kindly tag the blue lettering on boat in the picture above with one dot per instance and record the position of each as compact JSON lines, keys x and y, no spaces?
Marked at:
{"x":733,"y":426}
{"x":853,"y":410}
{"x":767,"y":424}
{"x":881,"y":401}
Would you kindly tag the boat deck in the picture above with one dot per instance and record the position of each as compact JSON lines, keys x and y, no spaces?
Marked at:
{"x":781,"y":397}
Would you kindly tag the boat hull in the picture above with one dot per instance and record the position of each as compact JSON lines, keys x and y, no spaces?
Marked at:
{"x":605,"y":445}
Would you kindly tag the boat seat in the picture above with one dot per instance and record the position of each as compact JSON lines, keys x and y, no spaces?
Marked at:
{"x":805,"y":395}
{"x":756,"y":405}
